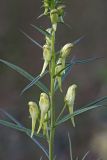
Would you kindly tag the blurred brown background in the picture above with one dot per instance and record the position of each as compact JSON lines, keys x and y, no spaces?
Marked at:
{"x":87,"y":17}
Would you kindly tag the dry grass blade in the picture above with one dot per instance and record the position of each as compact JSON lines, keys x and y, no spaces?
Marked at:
{"x":86,"y":154}
{"x":70,"y":147}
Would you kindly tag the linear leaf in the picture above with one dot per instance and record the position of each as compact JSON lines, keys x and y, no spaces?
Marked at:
{"x":40,"y":16}
{"x":18,"y":123}
{"x":41,"y":30}
{"x":35,"y":42}
{"x":40,"y":146}
{"x":25,"y":74}
{"x":98,"y":101}
{"x":67,"y":25}
{"x":35,"y":80}
{"x":22,"y":129}
{"x":17,"y":127}
{"x":78,"y":61}
{"x":73,"y":62}
{"x":86,"y":108}
{"x":78,"y":112}
{"x":78,"y":40}
{"x":10,"y":117}
{"x":88,"y":60}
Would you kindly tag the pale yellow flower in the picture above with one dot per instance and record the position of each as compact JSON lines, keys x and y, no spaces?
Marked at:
{"x":58,"y":69}
{"x":54,"y":18}
{"x":34,"y":113}
{"x":69,"y":100}
{"x":46,"y":57}
{"x":44,"y":107}
{"x":66,"y":49}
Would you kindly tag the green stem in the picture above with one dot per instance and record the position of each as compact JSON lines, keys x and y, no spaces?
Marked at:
{"x":52,"y":4}
{"x":52,"y":108}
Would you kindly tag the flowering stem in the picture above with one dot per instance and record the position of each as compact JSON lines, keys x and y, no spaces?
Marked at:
{"x":52,"y":108}
{"x":52,"y":4}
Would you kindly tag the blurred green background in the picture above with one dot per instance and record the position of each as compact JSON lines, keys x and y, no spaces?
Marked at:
{"x":86,"y":17}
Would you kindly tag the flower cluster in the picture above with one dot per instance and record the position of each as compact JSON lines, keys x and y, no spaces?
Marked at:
{"x":55,"y":12}
{"x":60,"y":66}
{"x":40,"y":113}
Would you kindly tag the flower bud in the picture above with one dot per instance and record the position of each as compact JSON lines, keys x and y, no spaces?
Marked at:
{"x":59,"y":67}
{"x":49,"y":30}
{"x":60,"y":10}
{"x":48,"y":39}
{"x":34,"y":113}
{"x":44,"y":107}
{"x":46,"y":53}
{"x":54,"y":16}
{"x":46,"y":6}
{"x":46,"y":57}
{"x":58,"y":73}
{"x":69,"y":100}
{"x":46,"y":10}
{"x":66,"y":49}
{"x":45,"y":126}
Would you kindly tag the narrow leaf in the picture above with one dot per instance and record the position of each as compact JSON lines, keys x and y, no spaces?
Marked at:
{"x":78,"y":40}
{"x":40,"y":146}
{"x":67,"y":25}
{"x":84,"y":61}
{"x":98,"y":101}
{"x":73,"y":62}
{"x":86,"y":108}
{"x":10,"y":117}
{"x":35,"y":80}
{"x":40,"y":16}
{"x":25,"y":74}
{"x":35,"y":42}
{"x":78,"y":112}
{"x":17,"y":127}
{"x":17,"y":122}
{"x":41,"y":30}
{"x":23,"y":129}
